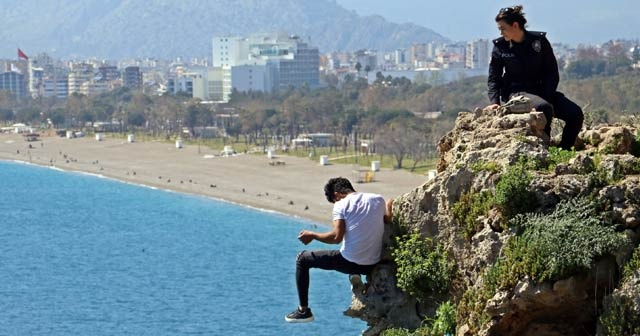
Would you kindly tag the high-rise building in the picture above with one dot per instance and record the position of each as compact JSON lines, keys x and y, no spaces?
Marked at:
{"x":56,"y":87}
{"x":246,"y":78}
{"x":133,"y":77}
{"x":80,"y":73}
{"x":477,"y":54}
{"x":267,"y":62}
{"x":108,"y":73}
{"x":300,"y":67}
{"x":400,"y":56}
{"x":14,"y":82}
{"x":420,"y":54}
{"x":229,"y":51}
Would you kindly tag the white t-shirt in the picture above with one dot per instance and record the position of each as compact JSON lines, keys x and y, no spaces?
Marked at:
{"x":363,"y":214}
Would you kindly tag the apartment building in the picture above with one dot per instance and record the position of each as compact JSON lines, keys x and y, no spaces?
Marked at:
{"x":264,"y":62}
{"x":14,"y":82}
{"x":133,"y":78}
{"x":477,"y":54}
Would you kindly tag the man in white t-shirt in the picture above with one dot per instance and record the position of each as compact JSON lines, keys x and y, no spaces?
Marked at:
{"x":358,"y":223}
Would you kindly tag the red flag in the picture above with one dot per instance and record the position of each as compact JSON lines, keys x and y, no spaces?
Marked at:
{"x":22,"y":54}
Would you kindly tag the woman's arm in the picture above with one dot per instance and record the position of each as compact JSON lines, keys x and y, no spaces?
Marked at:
{"x":494,"y":82}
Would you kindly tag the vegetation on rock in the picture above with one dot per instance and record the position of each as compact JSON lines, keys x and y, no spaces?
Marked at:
{"x":422,"y":266}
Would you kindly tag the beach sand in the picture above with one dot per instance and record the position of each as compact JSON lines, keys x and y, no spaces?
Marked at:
{"x":294,"y":188}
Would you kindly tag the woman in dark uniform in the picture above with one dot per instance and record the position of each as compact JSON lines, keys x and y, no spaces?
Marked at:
{"x":523,"y":63}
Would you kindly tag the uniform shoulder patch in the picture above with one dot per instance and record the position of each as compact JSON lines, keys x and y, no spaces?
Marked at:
{"x":536,"y":45}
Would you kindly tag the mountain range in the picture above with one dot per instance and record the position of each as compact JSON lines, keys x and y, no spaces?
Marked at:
{"x":169,"y":28}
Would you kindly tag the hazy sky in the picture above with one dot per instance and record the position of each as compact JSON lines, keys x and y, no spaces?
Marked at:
{"x":567,"y":21}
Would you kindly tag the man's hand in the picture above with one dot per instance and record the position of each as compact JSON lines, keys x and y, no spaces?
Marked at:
{"x":306,"y":236}
{"x":492,"y":107}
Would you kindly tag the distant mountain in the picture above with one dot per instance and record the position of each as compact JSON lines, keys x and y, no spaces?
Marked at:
{"x":170,"y":28}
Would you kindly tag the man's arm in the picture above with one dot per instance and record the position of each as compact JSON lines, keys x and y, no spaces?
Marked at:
{"x":388,"y":213}
{"x":331,"y":237}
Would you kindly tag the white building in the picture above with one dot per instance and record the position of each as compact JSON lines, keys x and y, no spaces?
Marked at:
{"x":400,"y":56}
{"x":262,"y":77}
{"x":218,"y":84}
{"x":478,"y":54}
{"x":266,"y":62}
{"x":56,"y":87}
{"x":78,"y":77}
{"x":229,"y":51}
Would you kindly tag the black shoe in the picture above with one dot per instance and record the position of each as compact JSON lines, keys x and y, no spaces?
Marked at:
{"x":298,"y":316}
{"x":357,"y":286}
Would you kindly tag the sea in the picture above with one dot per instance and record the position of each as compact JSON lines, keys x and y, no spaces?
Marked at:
{"x":82,"y":254}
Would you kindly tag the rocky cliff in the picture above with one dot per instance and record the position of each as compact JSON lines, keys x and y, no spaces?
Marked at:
{"x":535,"y":240}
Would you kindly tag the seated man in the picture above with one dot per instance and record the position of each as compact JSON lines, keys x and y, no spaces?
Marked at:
{"x":358,"y":223}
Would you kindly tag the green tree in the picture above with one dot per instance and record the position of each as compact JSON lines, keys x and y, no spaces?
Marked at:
{"x":28,"y":115}
{"x":57,"y":117}
{"x":136,"y":119}
{"x":398,"y":138}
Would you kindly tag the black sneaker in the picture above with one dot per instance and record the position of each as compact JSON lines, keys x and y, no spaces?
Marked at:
{"x":298,"y":316}
{"x":356,"y":284}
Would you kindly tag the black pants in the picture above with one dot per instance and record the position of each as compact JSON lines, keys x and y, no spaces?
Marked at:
{"x":562,"y":108}
{"x":323,"y":259}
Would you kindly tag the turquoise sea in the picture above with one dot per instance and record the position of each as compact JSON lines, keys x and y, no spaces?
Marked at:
{"x":84,"y":255}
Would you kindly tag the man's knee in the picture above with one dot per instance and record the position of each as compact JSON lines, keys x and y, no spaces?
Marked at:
{"x":302,"y":258}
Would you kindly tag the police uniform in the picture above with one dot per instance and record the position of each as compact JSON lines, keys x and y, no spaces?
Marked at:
{"x":530,"y":68}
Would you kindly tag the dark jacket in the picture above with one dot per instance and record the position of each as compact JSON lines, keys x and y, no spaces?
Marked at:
{"x":529,"y":66}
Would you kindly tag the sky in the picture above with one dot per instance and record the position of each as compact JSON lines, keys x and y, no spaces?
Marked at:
{"x":565,"y":21}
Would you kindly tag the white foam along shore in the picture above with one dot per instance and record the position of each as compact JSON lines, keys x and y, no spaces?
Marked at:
{"x":294,"y":188}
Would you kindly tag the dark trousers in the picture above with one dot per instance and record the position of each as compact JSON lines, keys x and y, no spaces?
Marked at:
{"x":323,"y":259}
{"x":562,"y":108}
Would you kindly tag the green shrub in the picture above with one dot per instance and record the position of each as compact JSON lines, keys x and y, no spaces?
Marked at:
{"x":557,"y":245}
{"x":601,"y":177}
{"x":471,"y":308}
{"x":397,"y":332}
{"x":489,"y":166}
{"x":445,"y":321}
{"x":546,"y":247}
{"x":469,"y":207}
{"x":633,"y":265}
{"x":558,"y":155}
{"x":512,"y":194}
{"x":423,"y":267}
{"x":620,"y":317}
{"x":443,"y":324}
{"x":632,"y":167}
{"x":598,"y":179}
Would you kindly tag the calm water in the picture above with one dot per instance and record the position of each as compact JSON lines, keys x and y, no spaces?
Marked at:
{"x":82,"y":255}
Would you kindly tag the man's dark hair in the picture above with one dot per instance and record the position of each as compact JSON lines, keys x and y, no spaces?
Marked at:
{"x":337,"y":184}
{"x":512,"y":14}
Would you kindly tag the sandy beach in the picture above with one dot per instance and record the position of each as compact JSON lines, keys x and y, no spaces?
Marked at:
{"x":293,"y":187}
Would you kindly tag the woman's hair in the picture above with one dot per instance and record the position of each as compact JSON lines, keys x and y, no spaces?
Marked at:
{"x":337,"y":184}
{"x":512,"y":14}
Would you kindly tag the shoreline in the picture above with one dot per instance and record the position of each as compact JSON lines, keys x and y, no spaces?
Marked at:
{"x":294,"y":188}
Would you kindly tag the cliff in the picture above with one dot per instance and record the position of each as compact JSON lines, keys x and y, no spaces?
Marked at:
{"x":518,"y":237}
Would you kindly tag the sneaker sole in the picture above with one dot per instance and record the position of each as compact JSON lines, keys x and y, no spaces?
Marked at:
{"x":305,"y":320}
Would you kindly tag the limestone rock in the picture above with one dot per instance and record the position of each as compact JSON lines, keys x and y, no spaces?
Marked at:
{"x":472,"y":158}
